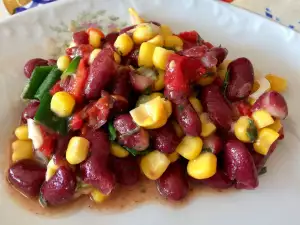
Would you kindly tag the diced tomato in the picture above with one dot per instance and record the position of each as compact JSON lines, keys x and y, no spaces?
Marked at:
{"x":47,"y":147}
{"x":191,"y":36}
{"x":77,"y":82}
{"x":208,"y":44}
{"x":83,"y":51}
{"x":56,"y":88}
{"x":244,"y":108}
{"x":76,"y":122}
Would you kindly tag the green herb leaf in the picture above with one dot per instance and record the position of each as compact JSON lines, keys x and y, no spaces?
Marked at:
{"x":226,"y":81}
{"x":112,"y":131}
{"x":135,"y":152}
{"x":252,"y":131}
{"x":42,"y":201}
{"x":71,"y":68}
{"x":206,"y":150}
{"x":180,"y":108}
{"x":263,"y":171}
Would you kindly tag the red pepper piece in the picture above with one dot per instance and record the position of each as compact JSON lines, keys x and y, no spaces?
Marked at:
{"x":76,"y":122}
{"x":191,"y":36}
{"x":244,"y":109}
{"x":47,"y":147}
{"x":56,"y":88}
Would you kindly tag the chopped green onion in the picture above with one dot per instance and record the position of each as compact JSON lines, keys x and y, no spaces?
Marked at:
{"x":71,"y":68}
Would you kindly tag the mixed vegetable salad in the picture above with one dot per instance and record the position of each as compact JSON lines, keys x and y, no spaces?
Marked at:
{"x":143,"y":101}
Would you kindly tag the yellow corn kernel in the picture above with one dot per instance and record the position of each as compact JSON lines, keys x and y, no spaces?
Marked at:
{"x":77,"y":151}
{"x":62,"y":104}
{"x":63,"y":62}
{"x":22,"y":133}
{"x":245,"y":129}
{"x":94,"y":54}
{"x":177,"y":129}
{"x":117,"y":57}
{"x":203,"y":167}
{"x":97,"y":196}
{"x":160,"y":81}
{"x":196,"y":104}
{"x":207,"y":126}
{"x":135,"y":17}
{"x":155,"y":95}
{"x":255,"y":86}
{"x":144,"y":32}
{"x":262,"y":118}
{"x":278,"y":84}
{"x":251,"y":101}
{"x":266,"y":137}
{"x":276,"y":126}
{"x":208,"y":77}
{"x":94,"y":39}
{"x":123,"y":44}
{"x":21,"y":150}
{"x":174,"y":42}
{"x":165,"y":30}
{"x":154,"y":164}
{"x":173,"y":157}
{"x":118,"y":151}
{"x":146,"y":54}
{"x":51,"y":169}
{"x":190,"y":147}
{"x":168,"y":107}
{"x":222,"y":69}
{"x":158,"y":40}
{"x":160,"y":57}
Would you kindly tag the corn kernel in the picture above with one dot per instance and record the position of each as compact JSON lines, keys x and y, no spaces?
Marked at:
{"x":97,"y":196}
{"x":276,"y":126}
{"x":190,"y":147}
{"x":123,"y":44}
{"x":207,"y":126}
{"x":144,"y":32}
{"x":160,"y":57}
{"x":118,"y":151}
{"x":262,"y":118}
{"x":165,"y":30}
{"x":134,"y":17}
{"x":278,"y":84}
{"x":94,"y":54}
{"x":203,"y":167}
{"x":117,"y":57}
{"x":245,"y":130}
{"x":146,"y":54}
{"x":255,"y":86}
{"x":222,"y":69}
{"x":208,"y":77}
{"x":177,"y":128}
{"x":155,"y":95}
{"x":94,"y":39}
{"x":160,"y":81}
{"x":63,"y":62}
{"x":62,"y":104}
{"x":158,"y":40}
{"x":77,"y":151}
{"x":22,"y":133}
{"x":251,"y":101}
{"x":266,"y":137}
{"x":174,"y":42}
{"x":154,"y":164}
{"x":51,"y":169}
{"x":100,"y":33}
{"x":173,"y":157}
{"x":196,"y":104}
{"x":22,"y":150}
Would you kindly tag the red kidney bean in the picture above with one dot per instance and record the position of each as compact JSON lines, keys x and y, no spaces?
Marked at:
{"x":216,"y":106}
{"x":31,"y":64}
{"x":95,"y":171}
{"x":27,"y":176}
{"x":241,"y":79}
{"x":102,"y":70}
{"x":218,"y":181}
{"x":30,"y":110}
{"x":188,"y":119}
{"x":125,"y":29}
{"x":196,"y":51}
{"x":274,"y":103}
{"x":120,"y":104}
{"x":121,"y":85}
{"x":132,"y":57}
{"x":110,"y":40}
{"x":126,"y":170}
{"x":62,"y":144}
{"x":60,"y":188}
{"x":219,"y":53}
{"x":140,"y":83}
{"x":165,"y":139}
{"x":129,"y":134}
{"x":239,"y":165}
{"x":80,"y":37}
{"x":213,"y":143}
{"x":173,"y":184}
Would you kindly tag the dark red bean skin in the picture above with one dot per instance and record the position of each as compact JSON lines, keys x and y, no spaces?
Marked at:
{"x":125,"y":29}
{"x":31,"y":64}
{"x":188,"y":119}
{"x":29,"y":111}
{"x":121,"y":85}
{"x":164,"y":139}
{"x":60,"y":188}
{"x":126,"y":170}
{"x":102,"y":71}
{"x":80,"y":38}
{"x":218,"y":181}
{"x":27,"y":176}
{"x":239,"y":166}
{"x":173,"y":184}
{"x":219,"y":53}
{"x":110,"y":40}
{"x":132,"y":57}
{"x":214,"y":143}
{"x":241,"y":79}
{"x":216,"y":106}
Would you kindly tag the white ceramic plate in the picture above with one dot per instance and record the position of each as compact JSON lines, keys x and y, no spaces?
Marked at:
{"x":272,"y":48}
